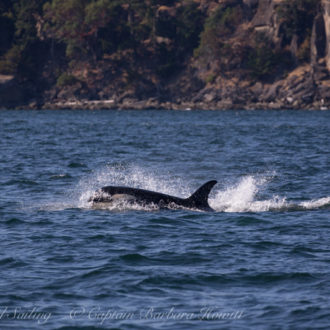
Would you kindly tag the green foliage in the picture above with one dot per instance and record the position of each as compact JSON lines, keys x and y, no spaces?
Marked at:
{"x":92,"y":30}
{"x":18,"y":21}
{"x":217,"y":27}
{"x":168,"y":62}
{"x":10,"y":61}
{"x":183,"y":30}
{"x":225,"y":19}
{"x":66,"y":79}
{"x":262,"y":60}
{"x":211,"y":78}
{"x":297,"y":18}
{"x":209,"y":46}
{"x":189,"y":26}
{"x":7,"y":28}
{"x":116,"y":34}
{"x":6,"y":6}
{"x":33,"y":57}
{"x":65,"y":22}
{"x":25,"y":11}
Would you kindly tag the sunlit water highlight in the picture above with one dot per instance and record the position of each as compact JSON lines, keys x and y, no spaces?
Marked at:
{"x":261,"y":260}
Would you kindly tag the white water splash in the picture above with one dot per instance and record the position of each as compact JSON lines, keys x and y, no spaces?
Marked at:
{"x":315,"y":203}
{"x":130,"y":176}
{"x":243,"y":196}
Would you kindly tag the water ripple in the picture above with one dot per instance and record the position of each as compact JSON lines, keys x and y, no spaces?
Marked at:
{"x":263,"y":252}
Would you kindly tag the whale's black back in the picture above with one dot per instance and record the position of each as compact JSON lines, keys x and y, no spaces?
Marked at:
{"x":198,"y":200}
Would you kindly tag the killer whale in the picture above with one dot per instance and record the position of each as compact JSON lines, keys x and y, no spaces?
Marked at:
{"x":198,"y":200}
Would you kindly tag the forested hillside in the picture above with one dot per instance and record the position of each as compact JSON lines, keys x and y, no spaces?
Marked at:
{"x":165,"y":54}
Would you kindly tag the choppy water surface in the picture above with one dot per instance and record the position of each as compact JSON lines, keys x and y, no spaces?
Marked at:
{"x":261,"y":261}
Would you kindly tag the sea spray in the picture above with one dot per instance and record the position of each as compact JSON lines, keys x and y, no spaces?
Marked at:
{"x":244,"y":195}
{"x":130,"y":176}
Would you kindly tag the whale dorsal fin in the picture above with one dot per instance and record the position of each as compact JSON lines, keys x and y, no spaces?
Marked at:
{"x":200,"y":197}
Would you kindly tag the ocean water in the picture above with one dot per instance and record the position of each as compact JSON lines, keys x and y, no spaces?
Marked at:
{"x":260,"y":261}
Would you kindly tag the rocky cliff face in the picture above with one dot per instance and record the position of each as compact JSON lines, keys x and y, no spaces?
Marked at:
{"x":303,"y":85}
{"x":249,"y":57}
{"x":326,"y":17}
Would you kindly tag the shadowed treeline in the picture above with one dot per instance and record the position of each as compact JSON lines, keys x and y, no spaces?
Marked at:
{"x":166,"y":50}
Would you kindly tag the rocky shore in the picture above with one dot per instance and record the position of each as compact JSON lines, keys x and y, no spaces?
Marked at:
{"x":251,"y":64}
{"x":152,"y":104}
{"x":303,"y":88}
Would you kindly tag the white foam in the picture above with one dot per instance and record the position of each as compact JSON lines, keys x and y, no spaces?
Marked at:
{"x":242,"y":197}
{"x":315,"y":203}
{"x":124,"y":205}
{"x":131,"y":176}
{"x":245,"y":195}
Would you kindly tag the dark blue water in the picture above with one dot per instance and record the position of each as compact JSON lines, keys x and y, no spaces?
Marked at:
{"x":261,"y":261}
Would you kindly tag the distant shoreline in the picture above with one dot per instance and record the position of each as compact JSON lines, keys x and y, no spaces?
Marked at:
{"x":299,"y":93}
{"x":157,"y":105}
